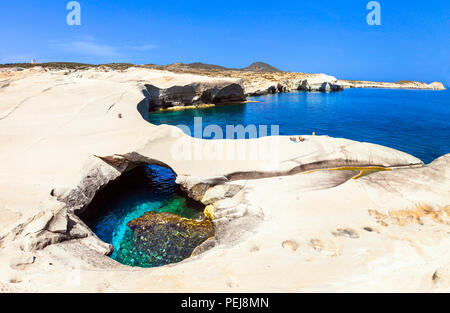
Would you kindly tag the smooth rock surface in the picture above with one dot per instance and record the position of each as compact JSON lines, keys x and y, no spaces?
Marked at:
{"x":62,"y":140}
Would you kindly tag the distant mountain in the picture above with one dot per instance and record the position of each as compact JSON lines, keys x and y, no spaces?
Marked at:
{"x":204,"y":66}
{"x":197,"y":66}
{"x":261,"y":67}
{"x":257,"y":67}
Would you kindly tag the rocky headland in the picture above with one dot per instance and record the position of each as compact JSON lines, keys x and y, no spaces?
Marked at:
{"x":333,"y":215}
{"x":406,"y":84}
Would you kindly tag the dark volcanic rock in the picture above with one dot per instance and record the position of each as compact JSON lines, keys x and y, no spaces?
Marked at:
{"x":165,"y":238}
{"x":173,"y":96}
{"x":195,"y":94}
{"x":230,"y":93}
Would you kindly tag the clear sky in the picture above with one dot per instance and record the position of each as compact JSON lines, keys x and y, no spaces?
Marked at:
{"x":321,"y":36}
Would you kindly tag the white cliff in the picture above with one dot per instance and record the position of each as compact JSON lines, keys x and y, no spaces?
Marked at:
{"x":286,"y":219}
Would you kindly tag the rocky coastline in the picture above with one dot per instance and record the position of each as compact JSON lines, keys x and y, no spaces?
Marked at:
{"x":219,"y":85}
{"x":396,"y":85}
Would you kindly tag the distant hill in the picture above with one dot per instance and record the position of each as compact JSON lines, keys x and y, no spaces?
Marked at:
{"x":195,"y":66}
{"x":69,"y":65}
{"x":51,"y":65}
{"x":204,"y":66}
{"x":257,"y":67}
{"x":261,"y":67}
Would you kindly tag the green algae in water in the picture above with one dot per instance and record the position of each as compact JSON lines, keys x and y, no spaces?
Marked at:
{"x":162,"y":238}
{"x":143,"y":189}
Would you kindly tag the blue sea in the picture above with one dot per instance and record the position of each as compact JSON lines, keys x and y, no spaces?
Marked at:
{"x":414,"y":121}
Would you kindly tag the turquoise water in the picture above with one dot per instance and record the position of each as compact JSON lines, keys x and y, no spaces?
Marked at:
{"x":144,"y":189}
{"x":413,"y":121}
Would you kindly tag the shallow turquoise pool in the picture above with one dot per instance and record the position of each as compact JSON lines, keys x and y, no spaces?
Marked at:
{"x":144,"y":189}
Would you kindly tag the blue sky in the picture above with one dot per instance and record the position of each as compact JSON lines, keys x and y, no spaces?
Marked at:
{"x":326,"y":36}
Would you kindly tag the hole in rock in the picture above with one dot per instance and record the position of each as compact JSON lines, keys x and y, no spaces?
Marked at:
{"x":147,"y":218}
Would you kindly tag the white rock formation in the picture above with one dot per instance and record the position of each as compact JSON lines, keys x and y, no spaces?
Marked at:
{"x":398,"y":85}
{"x":316,"y":82}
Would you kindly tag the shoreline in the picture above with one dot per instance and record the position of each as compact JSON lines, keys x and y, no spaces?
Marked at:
{"x":206,"y":106}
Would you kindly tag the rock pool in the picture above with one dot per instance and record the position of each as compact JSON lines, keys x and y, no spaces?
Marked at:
{"x":144,"y":189}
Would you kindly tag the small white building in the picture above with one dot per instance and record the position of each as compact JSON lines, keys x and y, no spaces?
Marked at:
{"x":33,"y":61}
